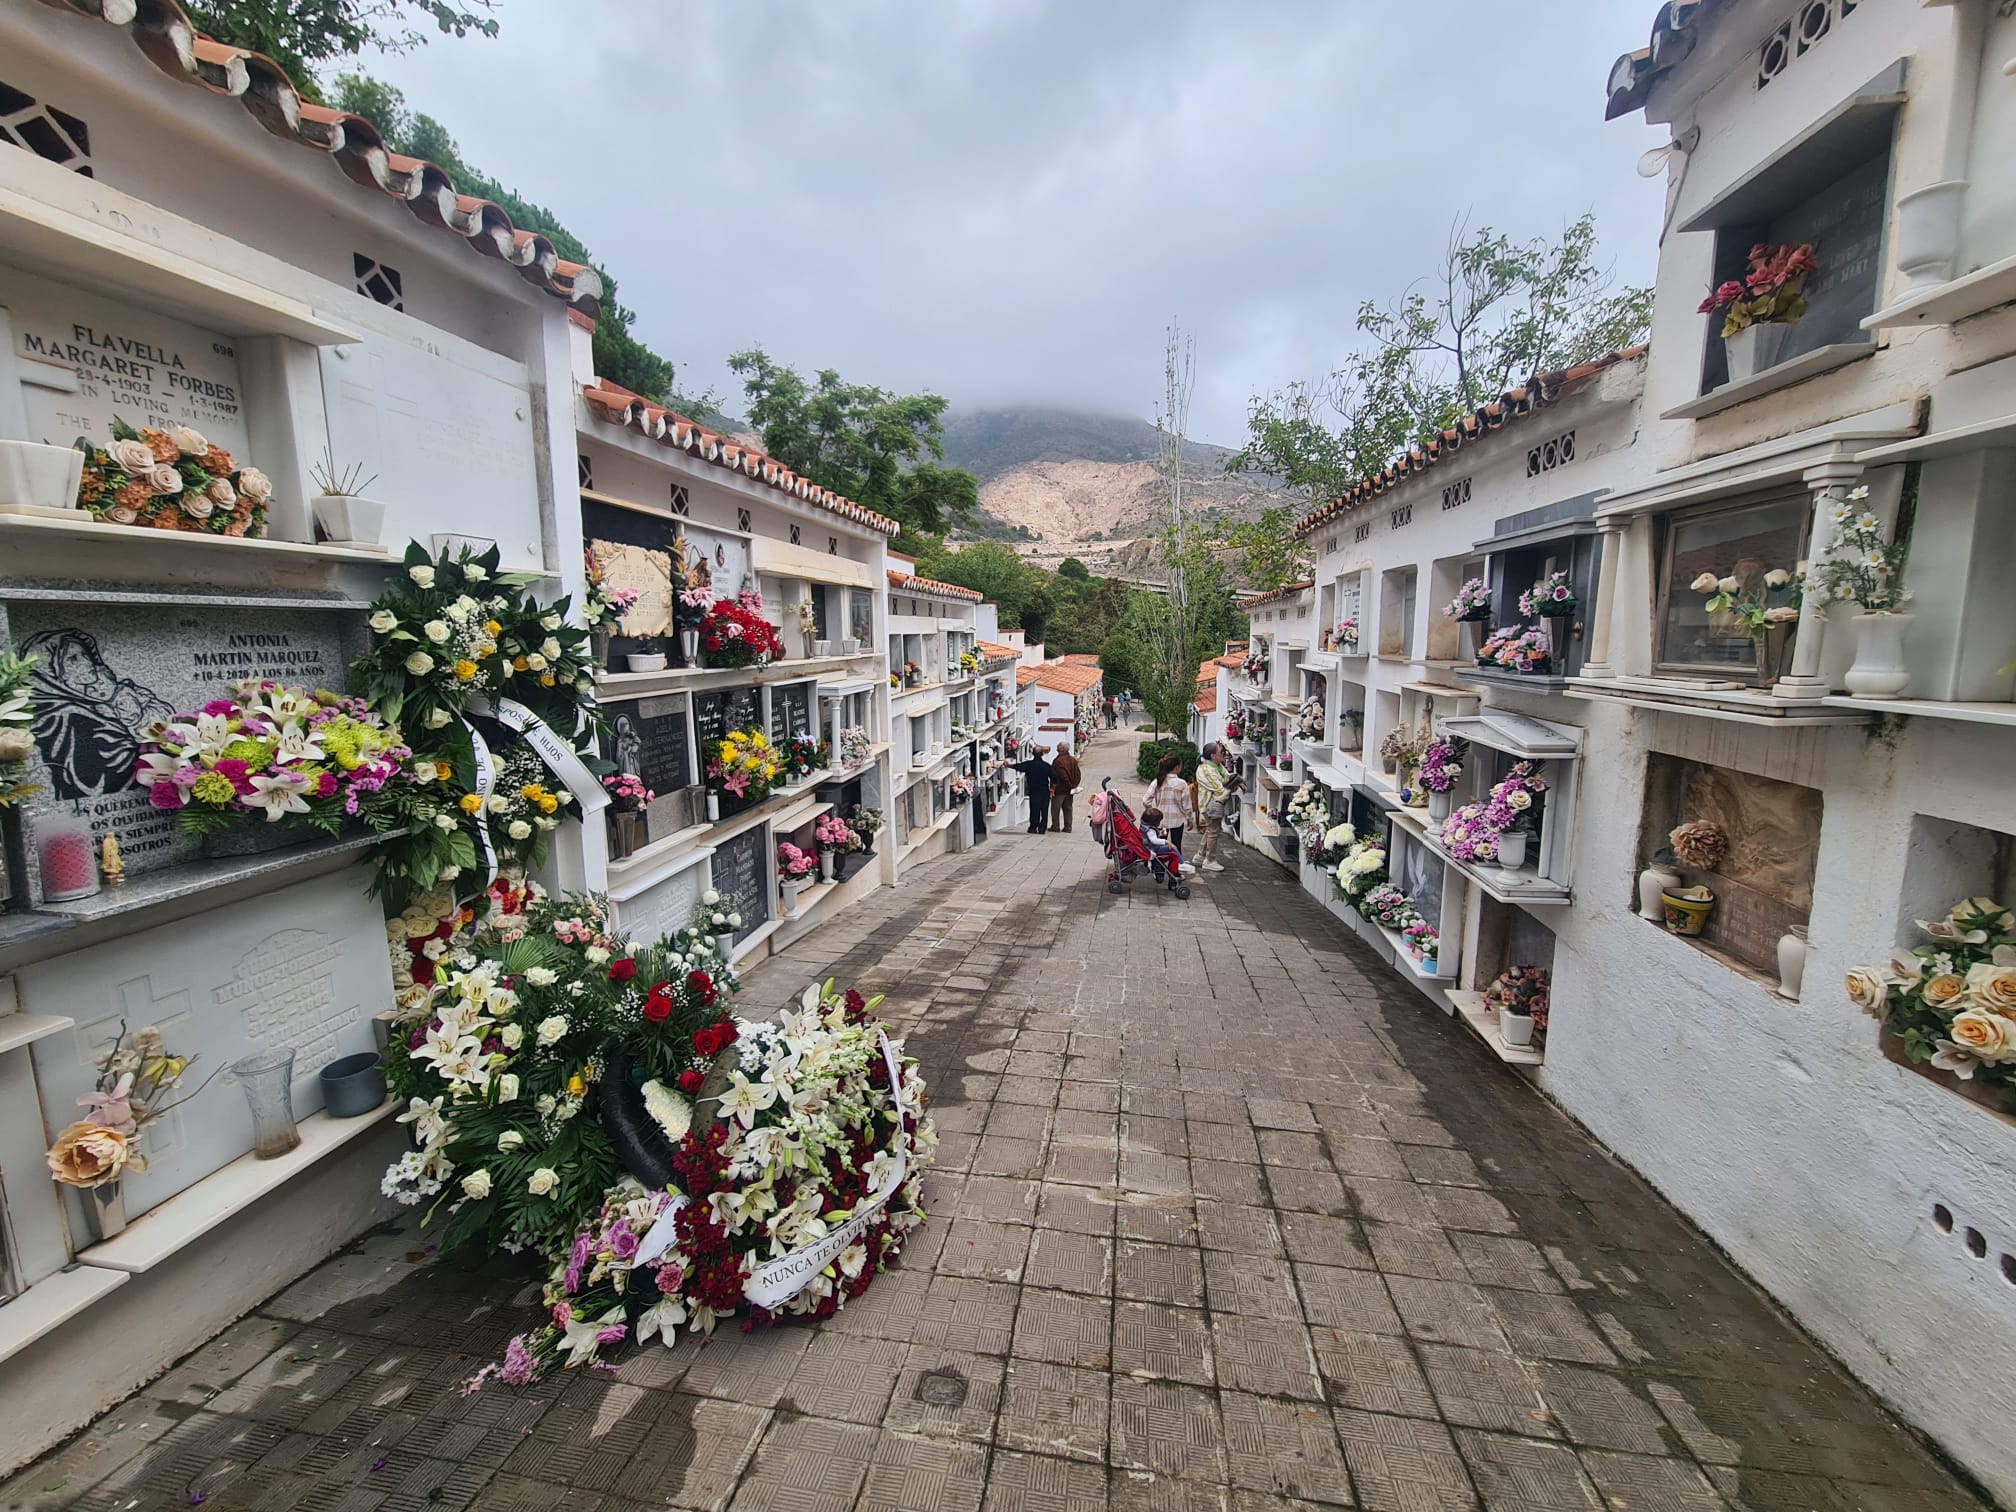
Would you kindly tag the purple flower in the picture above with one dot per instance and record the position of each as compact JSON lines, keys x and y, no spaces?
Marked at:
{"x":165,"y":795}
{"x":519,"y":1363}
{"x":219,"y":706}
{"x":1560,"y":593}
{"x":623,"y":1243}
{"x":380,"y":1462}
{"x":615,"y":1333}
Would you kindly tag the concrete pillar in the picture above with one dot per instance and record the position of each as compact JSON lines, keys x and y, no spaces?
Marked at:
{"x":1612,"y":562}
{"x":1830,"y":483}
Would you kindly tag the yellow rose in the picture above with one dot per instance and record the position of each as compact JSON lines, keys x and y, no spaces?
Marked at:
{"x":576,"y":1086}
{"x":1944,"y":991}
{"x":89,"y":1155}
{"x":472,"y":803}
{"x":465,"y":670}
{"x":1993,"y":988}
{"x":1868,"y":991}
{"x":546,"y":679}
{"x":1986,"y":1036}
{"x":548,"y":803}
{"x":517,"y":664}
{"x":491,"y":627}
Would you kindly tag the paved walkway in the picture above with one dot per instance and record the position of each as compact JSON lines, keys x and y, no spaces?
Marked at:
{"x":1225,"y":1218}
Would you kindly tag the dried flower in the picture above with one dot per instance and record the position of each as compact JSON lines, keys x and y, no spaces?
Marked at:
{"x":1699,"y":843}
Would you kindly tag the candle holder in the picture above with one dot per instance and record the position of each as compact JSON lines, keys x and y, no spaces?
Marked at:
{"x":267,"y":1080}
{"x":65,"y":856}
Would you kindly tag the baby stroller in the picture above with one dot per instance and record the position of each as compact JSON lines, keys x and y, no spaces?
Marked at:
{"x":1128,"y":853}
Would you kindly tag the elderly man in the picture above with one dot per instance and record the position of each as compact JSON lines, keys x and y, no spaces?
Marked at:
{"x":1064,"y":779}
{"x":1036,"y":775}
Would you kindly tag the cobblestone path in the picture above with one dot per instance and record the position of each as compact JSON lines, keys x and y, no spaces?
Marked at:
{"x":1225,"y":1218}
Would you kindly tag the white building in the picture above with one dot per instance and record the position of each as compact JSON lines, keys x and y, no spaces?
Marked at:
{"x":936,"y":710}
{"x":1068,"y":694}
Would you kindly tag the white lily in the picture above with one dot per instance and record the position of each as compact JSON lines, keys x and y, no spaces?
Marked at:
{"x":279,"y":796}
{"x":745,"y":1099}
{"x":662,"y":1322}
{"x":582,"y":1338}
{"x":297,"y":742}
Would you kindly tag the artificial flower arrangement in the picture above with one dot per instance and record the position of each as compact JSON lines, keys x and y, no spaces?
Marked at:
{"x":960,"y":789}
{"x":1951,"y":1004}
{"x":1468,"y":836}
{"x":866,"y":823}
{"x":1522,"y":648}
{"x":1553,"y":597}
{"x":134,"y":1079}
{"x":603,"y":607}
{"x":1389,"y":907}
{"x":1860,"y":567}
{"x":17,"y":727}
{"x":1403,"y":746}
{"x":830,"y":833}
{"x":743,"y":764}
{"x":1472,"y":602}
{"x":1472,"y":832}
{"x":1011,"y":745}
{"x":808,"y":621}
{"x":1309,"y":719}
{"x":1757,"y":602}
{"x":523,"y":810}
{"x":627,"y":793}
{"x":1234,"y":730}
{"x":436,"y":925}
{"x":1255,"y":666}
{"x":271,"y":753}
{"x":717,"y":916}
{"x":912,"y":674}
{"x":969,"y":661}
{"x":1309,"y":810}
{"x":734,"y":632}
{"x":1421,"y":940}
{"x":895,"y":679}
{"x":1362,"y":869}
{"x":1700,"y":843}
{"x":855,"y":747}
{"x":1522,"y":990}
{"x":172,"y":480}
{"x":802,"y":755}
{"x":1343,"y":637}
{"x":1769,"y":293}
{"x":795,"y":863}
{"x":1442,"y":764}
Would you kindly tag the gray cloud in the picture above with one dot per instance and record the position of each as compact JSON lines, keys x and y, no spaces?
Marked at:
{"x":1007,"y":201}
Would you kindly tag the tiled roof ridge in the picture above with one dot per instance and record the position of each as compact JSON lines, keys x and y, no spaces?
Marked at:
{"x":1673,"y":39}
{"x":172,"y":43}
{"x":1536,"y":393}
{"x":619,"y":406}
{"x":995,"y":650}
{"x":1059,"y":678}
{"x":909,"y":582}
{"x":1275,"y":595}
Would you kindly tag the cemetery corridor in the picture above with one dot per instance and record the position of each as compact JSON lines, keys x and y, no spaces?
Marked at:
{"x":1225,"y":1216}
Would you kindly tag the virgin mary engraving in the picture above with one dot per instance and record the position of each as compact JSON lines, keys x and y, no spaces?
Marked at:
{"x":88,"y":719}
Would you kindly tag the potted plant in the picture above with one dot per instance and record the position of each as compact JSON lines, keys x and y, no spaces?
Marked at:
{"x":1520,"y":996}
{"x":1863,"y":569}
{"x":1763,"y":604}
{"x":39,"y":479}
{"x":1701,"y":844}
{"x":1344,"y":637}
{"x":867,"y":824}
{"x":343,"y":516}
{"x":92,"y":1155}
{"x":1760,"y":307}
{"x":1441,"y":765}
{"x":1552,"y":600}
{"x":794,"y":869}
{"x":1471,"y":608}
{"x":627,"y":797}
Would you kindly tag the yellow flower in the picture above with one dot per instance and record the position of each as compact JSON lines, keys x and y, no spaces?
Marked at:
{"x":547,"y":803}
{"x":545,"y":679}
{"x":465,"y":670}
{"x":491,"y":627}
{"x":472,"y":803}
{"x":576,"y":1086}
{"x":486,"y":648}
{"x":517,"y":664}
{"x":444,"y":770}
{"x":531,"y":790}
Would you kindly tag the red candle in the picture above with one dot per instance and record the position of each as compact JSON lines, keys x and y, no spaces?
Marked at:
{"x":69,"y":868}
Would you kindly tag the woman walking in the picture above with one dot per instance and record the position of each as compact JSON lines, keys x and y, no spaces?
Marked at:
{"x":1171,"y":794}
{"x":1217,"y":792}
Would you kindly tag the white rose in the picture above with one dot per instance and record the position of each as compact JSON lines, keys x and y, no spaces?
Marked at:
{"x":512,"y":1035}
{"x":597,"y":955}
{"x":419,"y":664}
{"x":425,"y":771}
{"x":710,"y":897}
{"x":552,"y":1030}
{"x":535,"y":663}
{"x":436,"y":718}
{"x":254,"y":485}
{"x":585,"y":686}
{"x":542,"y":1181}
{"x":545,"y":823}
{"x":550,"y":649}
{"x":132,"y":458}
{"x":221,"y":492}
{"x":188,"y":441}
{"x":436,"y":631}
{"x":1988,"y":1037}
{"x":1868,"y":991}
{"x":384,"y":621}
{"x":458,"y":613}
{"x":165,"y":481}
{"x":423,"y":575}
{"x":507,"y":1088}
{"x":510,"y":1139}
{"x":198,"y":506}
{"x":496,"y":803}
{"x":734,"y":921}
{"x":474,"y":573}
{"x":476,"y":1184}
{"x":1777,"y":577}
{"x":1728,"y":585}
{"x":519,"y":829}
{"x":1519,"y":798}
{"x":549,"y":622}
{"x":444,"y":821}
{"x":540,"y":976}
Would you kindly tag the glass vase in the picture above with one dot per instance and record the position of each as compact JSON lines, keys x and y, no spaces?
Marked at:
{"x":267,"y":1080}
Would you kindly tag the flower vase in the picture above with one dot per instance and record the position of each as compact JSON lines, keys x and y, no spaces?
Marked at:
{"x":1772,"y":646}
{"x":826,"y":863}
{"x":1516,"y":1029}
{"x":626,"y":835}
{"x":1512,"y":850}
{"x":790,"y":887}
{"x":267,"y":1080}
{"x":1475,"y":633}
{"x":689,"y":648}
{"x":105,"y":1209}
{"x":1653,"y":881}
{"x":1792,"y":952}
{"x":724,"y":946}
{"x":39,"y":478}
{"x":1438,"y":805}
{"x":1560,"y":631}
{"x":598,"y":648}
{"x":1755,"y":349}
{"x":1879,"y":670}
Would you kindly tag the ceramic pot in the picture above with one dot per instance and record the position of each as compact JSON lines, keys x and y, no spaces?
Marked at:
{"x":645,"y":661}
{"x":1879,"y":670}
{"x":1516,"y":1029}
{"x":1475,"y":633}
{"x":39,"y":479}
{"x":1687,"y":909}
{"x":1755,"y":349}
{"x":347,"y":520}
{"x":790,"y":898}
{"x":1926,"y":235}
{"x":826,"y":865}
{"x":626,"y":835}
{"x":1439,"y":805}
{"x":267,"y":1080}
{"x":822,"y":648}
{"x":105,"y":1208}
{"x":1512,"y":849}
{"x":1792,"y":950}
{"x":1653,"y":881}
{"x":689,"y":648}
{"x":353,"y":1085}
{"x":724,"y":946}
{"x":1560,"y":631}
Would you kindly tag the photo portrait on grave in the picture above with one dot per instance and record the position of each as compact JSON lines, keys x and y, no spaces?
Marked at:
{"x":629,"y":745}
{"x":88,"y":718}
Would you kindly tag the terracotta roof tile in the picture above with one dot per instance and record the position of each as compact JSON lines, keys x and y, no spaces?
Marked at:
{"x":995,"y":651}
{"x":1206,"y":701}
{"x":1079,"y":659}
{"x":1059,"y":678}
{"x":909,"y":582}
{"x":1276,"y":595}
{"x":619,"y":406}
{"x":1025,"y":676}
{"x":1536,"y":394}
{"x":172,"y":44}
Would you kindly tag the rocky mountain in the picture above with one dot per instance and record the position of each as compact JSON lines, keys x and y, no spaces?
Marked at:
{"x":1075,"y":483}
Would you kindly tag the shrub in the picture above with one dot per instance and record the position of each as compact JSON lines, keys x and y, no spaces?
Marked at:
{"x":1150,"y":755}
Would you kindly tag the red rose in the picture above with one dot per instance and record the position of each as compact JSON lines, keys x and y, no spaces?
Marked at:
{"x":622,"y":969}
{"x":423,"y":971}
{"x":856,"y":1004}
{"x":706,"y":1042}
{"x":446,"y":931}
{"x":658,"y":1004}
{"x":724,"y":1034}
{"x":691,"y":1081}
{"x":699,"y":981}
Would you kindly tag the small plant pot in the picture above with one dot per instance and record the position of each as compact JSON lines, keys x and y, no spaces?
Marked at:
{"x":1512,"y":849}
{"x":1755,"y":349}
{"x":348,"y":520}
{"x":1438,"y":805}
{"x":1687,"y":909}
{"x":1516,"y":1029}
{"x":353,"y":1085}
{"x":39,"y":479}
{"x":648,"y":661}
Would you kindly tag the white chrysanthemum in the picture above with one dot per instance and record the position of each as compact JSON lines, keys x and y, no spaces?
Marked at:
{"x":668,"y":1109}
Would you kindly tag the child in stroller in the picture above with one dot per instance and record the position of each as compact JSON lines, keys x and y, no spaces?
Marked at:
{"x":1131,"y":851}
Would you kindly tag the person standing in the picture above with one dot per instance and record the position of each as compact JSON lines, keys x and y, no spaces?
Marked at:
{"x":1217,"y":792}
{"x":1171,"y":794}
{"x":1036,"y":777}
{"x":1064,"y":780}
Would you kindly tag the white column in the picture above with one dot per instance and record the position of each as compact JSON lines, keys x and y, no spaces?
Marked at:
{"x":1598,"y":662}
{"x":1829,"y":482}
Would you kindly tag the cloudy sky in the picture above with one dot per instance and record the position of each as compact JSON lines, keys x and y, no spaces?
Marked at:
{"x":1007,"y":200}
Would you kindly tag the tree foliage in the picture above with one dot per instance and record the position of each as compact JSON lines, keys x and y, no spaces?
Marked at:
{"x":1495,"y":314}
{"x":301,"y":35}
{"x":879,"y":449}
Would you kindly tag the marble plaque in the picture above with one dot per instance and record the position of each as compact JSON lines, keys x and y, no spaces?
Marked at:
{"x":665,"y":908}
{"x":85,"y":358}
{"x":646,"y":573}
{"x":104,"y":672}
{"x":725,"y":558}
{"x":302,"y":969}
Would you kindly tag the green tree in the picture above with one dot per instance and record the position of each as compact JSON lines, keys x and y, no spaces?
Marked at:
{"x":1020,"y":590}
{"x":301,"y":35}
{"x":1265,"y":553}
{"x":879,"y":449}
{"x":1496,"y":313}
{"x":1074,"y":569}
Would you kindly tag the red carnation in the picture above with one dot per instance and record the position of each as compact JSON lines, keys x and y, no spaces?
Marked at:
{"x":691,"y":1081}
{"x":658,"y":1004}
{"x":856,"y":1004}
{"x":622,"y":969}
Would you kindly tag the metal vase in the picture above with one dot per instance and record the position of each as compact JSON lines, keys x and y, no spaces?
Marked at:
{"x":1772,"y":648}
{"x":105,"y":1209}
{"x":626,"y":835}
{"x":1560,"y":631}
{"x":689,"y":648}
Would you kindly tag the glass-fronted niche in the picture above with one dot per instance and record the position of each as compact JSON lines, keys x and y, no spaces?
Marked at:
{"x":1747,"y":542}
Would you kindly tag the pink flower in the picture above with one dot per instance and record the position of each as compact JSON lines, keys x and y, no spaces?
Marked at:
{"x":165,"y":795}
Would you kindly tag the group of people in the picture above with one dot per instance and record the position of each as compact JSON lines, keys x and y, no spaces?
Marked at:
{"x":1175,"y":805}
{"x":1118,"y":708}
{"x":1050,"y":777}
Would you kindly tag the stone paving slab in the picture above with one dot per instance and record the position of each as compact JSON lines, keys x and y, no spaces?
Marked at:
{"x":1225,"y":1219}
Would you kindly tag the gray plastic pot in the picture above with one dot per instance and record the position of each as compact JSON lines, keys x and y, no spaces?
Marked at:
{"x":353,"y":1086}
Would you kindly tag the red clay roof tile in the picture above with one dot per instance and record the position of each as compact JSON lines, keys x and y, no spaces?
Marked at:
{"x":909,"y":582}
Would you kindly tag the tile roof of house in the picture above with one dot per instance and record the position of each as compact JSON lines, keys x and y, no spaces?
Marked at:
{"x":1276,"y":595}
{"x":1059,"y":678}
{"x":1079,"y":659}
{"x":1206,"y":701}
{"x":1536,"y":394}
{"x":172,"y":43}
{"x":1674,"y":36}
{"x":1025,"y":676}
{"x":909,"y":582}
{"x":995,"y":651}
{"x":619,"y":406}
